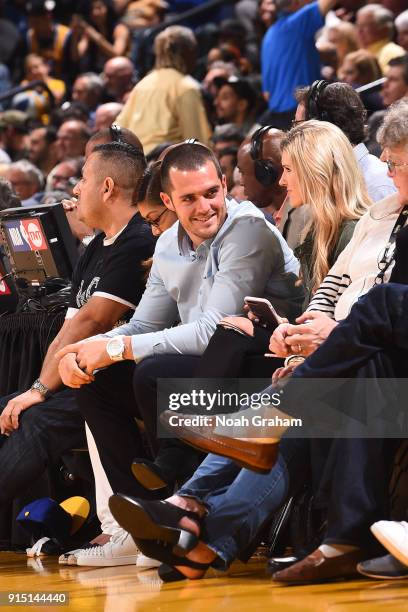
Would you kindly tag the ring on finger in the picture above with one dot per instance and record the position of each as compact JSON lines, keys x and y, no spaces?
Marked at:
{"x":299,"y":348}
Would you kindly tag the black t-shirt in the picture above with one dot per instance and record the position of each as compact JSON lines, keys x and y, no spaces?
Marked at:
{"x":112,"y":268}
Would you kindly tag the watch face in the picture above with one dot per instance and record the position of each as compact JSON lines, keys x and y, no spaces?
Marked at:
{"x":115,"y":347}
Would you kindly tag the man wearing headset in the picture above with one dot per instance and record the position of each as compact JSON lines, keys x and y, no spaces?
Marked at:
{"x":259,"y":162}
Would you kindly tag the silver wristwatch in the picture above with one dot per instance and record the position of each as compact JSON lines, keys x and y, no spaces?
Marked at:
{"x":41,"y":388}
{"x":115,"y":348}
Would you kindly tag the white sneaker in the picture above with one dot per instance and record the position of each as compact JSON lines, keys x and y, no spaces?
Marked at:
{"x":120,"y":550}
{"x":69,"y":558}
{"x":393,"y":535}
{"x":143,"y":561}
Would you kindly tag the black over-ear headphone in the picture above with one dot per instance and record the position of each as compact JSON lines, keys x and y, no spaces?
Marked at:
{"x":313,"y":108}
{"x":265,"y":172}
{"x":116,"y":133}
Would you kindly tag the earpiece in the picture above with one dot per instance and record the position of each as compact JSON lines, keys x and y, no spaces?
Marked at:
{"x":313,"y":109}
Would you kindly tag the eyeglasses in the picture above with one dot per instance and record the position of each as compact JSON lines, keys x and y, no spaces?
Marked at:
{"x":156,"y":222}
{"x":392,"y":166}
{"x":296,"y":122}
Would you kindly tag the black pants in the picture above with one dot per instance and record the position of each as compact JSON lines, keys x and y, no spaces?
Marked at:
{"x":110,"y":404}
{"x":353,"y":474}
{"x":46,"y":432}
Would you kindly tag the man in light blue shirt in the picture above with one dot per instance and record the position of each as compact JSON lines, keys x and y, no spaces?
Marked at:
{"x":341,"y":105}
{"x":203,"y":267}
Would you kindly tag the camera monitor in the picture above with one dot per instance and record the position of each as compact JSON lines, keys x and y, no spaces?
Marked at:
{"x":39,"y":242}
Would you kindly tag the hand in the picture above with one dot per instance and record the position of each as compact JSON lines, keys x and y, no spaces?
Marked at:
{"x":277,"y":344}
{"x":70,"y":204}
{"x":92,"y":33}
{"x":282,"y":372}
{"x":9,"y":416}
{"x":305,"y":338}
{"x":71,"y":374}
{"x":90,"y":356}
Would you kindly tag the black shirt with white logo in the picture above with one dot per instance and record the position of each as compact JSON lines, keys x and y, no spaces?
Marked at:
{"x":112,"y":268}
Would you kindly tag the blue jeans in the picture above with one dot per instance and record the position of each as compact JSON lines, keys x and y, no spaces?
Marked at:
{"x":239,"y":501}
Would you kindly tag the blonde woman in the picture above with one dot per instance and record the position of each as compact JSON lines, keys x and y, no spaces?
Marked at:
{"x":319,"y":169}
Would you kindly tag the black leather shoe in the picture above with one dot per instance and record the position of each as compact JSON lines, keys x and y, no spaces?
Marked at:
{"x":383,"y":568}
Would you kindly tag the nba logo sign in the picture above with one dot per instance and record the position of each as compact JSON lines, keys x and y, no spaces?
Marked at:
{"x":4,"y":290}
{"x":32,"y":233}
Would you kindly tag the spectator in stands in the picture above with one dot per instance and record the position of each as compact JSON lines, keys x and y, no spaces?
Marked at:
{"x":261,"y":180}
{"x":226,"y":135}
{"x":72,"y":137}
{"x":42,"y":148}
{"x":88,"y":89}
{"x":8,"y":198}
{"x":150,"y":205}
{"x":401,"y":23}
{"x":118,"y":75}
{"x":45,"y":37}
{"x":228,"y":163}
{"x":236,"y":102}
{"x":26,"y":180}
{"x":375,"y":26}
{"x":97,"y":36}
{"x":396,"y":84}
{"x":343,"y":36}
{"x":166,"y":105}
{"x":341,"y":105}
{"x":359,"y":68}
{"x":37,"y":68}
{"x":44,"y":422}
{"x":289,"y":56}
{"x":106,"y":114}
{"x":65,"y":175}
{"x":218,"y":70}
{"x":13,"y":135}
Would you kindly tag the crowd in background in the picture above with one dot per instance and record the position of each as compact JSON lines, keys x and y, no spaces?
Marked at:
{"x":229,"y":74}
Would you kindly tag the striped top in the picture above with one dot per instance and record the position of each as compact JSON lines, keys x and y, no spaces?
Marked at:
{"x":355,"y":270}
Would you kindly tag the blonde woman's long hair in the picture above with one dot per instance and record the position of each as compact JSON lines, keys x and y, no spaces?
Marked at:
{"x":330,"y":182}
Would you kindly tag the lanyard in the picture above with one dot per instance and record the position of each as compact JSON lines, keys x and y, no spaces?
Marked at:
{"x":388,"y":256}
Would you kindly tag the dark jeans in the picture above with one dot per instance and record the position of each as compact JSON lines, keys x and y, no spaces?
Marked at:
{"x":372,"y":341}
{"x":46,"y":432}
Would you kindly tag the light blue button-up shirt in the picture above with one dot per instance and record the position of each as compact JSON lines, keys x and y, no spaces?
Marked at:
{"x":248,"y":256}
{"x":379,"y":184}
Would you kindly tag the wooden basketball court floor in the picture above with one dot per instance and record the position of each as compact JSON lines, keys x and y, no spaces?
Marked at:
{"x":244,"y":588}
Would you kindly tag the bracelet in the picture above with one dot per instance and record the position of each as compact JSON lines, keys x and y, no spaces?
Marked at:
{"x":292,"y":359}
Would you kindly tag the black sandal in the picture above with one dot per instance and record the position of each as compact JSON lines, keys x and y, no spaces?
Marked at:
{"x":163,"y":552}
{"x":154,"y":520}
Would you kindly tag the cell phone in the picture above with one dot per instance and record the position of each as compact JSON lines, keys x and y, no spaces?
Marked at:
{"x":263,"y":310}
